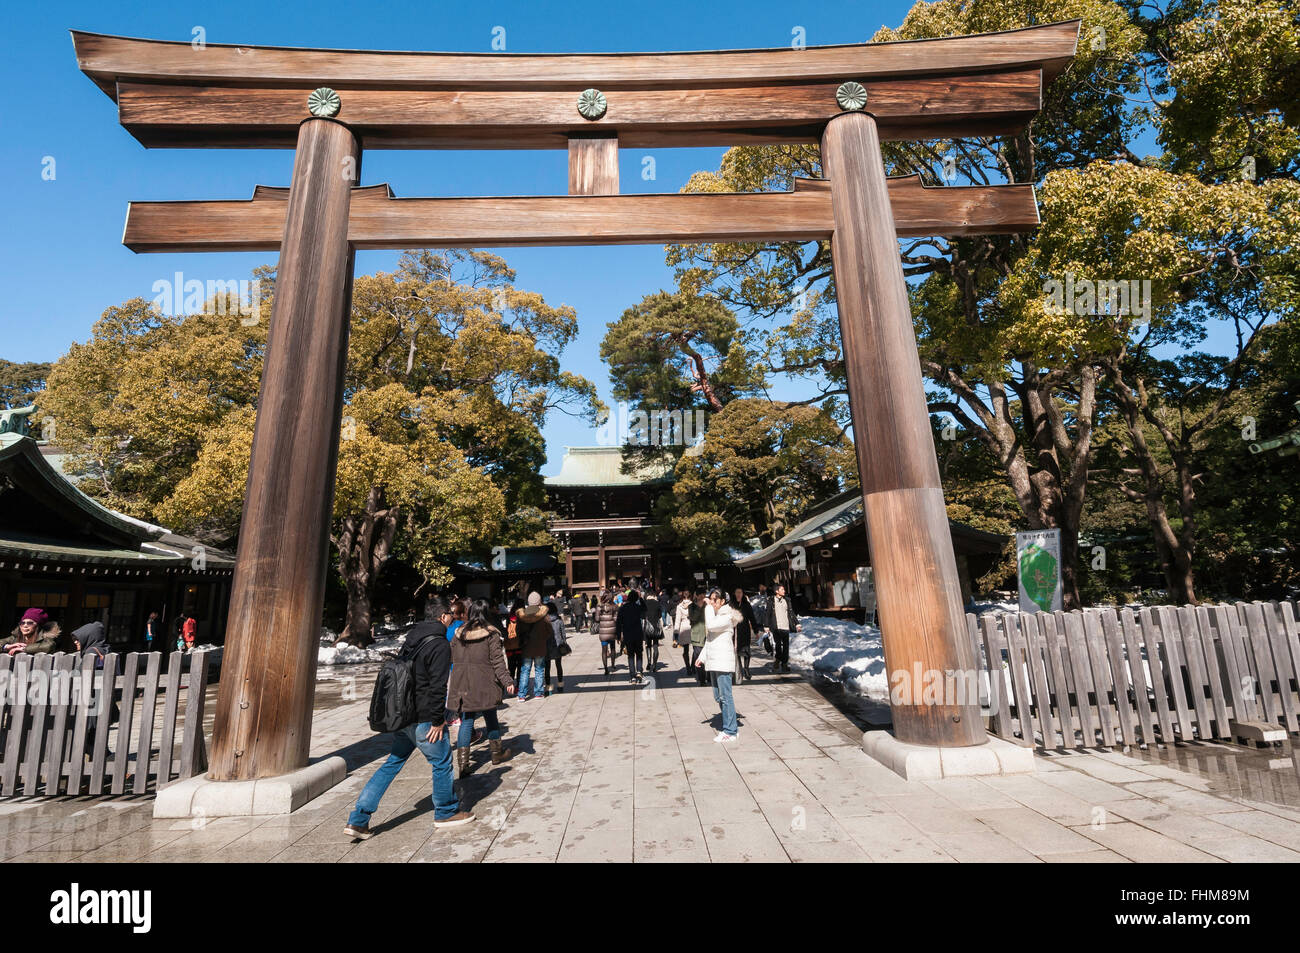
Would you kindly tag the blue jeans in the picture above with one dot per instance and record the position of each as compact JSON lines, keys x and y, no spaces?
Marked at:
{"x":538,"y":669}
{"x":466,"y":733}
{"x":722,"y":695}
{"x":438,"y":753}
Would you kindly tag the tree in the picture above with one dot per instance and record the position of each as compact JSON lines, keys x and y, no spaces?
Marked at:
{"x":451,"y":372}
{"x":19,"y":383}
{"x":761,"y":465}
{"x":1032,"y":407}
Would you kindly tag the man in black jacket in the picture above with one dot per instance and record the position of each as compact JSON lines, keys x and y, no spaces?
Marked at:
{"x":781,"y":619}
{"x":430,"y":654}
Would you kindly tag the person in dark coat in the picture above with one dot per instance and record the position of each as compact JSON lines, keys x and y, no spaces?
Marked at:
{"x":91,"y":639}
{"x":555,"y":650}
{"x":578,"y":611}
{"x":533,"y":627}
{"x":745,"y":630}
{"x":430,"y":654}
{"x":479,"y":676}
{"x":781,"y":619}
{"x":654,"y":632}
{"x":607,"y":629}
{"x":631,"y":616}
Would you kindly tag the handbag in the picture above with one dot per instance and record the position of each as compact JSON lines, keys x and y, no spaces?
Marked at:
{"x":647,"y":629}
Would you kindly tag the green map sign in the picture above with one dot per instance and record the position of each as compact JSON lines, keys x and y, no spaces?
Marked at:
{"x":1038,"y":559}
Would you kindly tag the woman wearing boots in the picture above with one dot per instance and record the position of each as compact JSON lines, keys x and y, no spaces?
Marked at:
{"x":478,"y":678}
{"x":607,"y":630}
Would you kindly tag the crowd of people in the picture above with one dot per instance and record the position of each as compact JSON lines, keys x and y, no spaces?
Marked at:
{"x":38,"y":634}
{"x":468,"y":656}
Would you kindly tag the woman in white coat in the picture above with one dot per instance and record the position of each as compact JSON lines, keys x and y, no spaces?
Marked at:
{"x":719,"y":659}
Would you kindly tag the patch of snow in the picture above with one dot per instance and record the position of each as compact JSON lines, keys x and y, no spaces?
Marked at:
{"x":391,"y":640}
{"x":842,"y":651}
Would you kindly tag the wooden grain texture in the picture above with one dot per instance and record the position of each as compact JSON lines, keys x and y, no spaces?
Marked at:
{"x":61,"y":703}
{"x":1017,"y":658}
{"x":1046,"y":679}
{"x":1125,"y":704}
{"x":1213,"y":670}
{"x":86,"y":696}
{"x":103,"y":721}
{"x":1261,"y":660}
{"x":1159,"y":682}
{"x":593,"y":165}
{"x":378,"y":221}
{"x":1075,"y":655}
{"x":1241,"y":692}
{"x":110,"y":59}
{"x":1138,"y":672}
{"x":122,"y":744}
{"x":162,"y":115}
{"x":17,"y":723}
{"x":1103,"y":684}
{"x":1281,"y":663}
{"x":1170,"y":642}
{"x":171,"y":699}
{"x":148,"y":709}
{"x":922,"y":621}
{"x":192,"y":748}
{"x":1183,"y":619}
{"x":38,"y":715}
{"x":994,"y":645}
{"x":263,"y":723}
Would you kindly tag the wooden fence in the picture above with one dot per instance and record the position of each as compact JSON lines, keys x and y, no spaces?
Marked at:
{"x":1157,"y":675}
{"x":62,"y":731}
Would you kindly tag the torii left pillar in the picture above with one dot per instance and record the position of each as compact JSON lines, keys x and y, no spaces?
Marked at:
{"x":264,"y":706}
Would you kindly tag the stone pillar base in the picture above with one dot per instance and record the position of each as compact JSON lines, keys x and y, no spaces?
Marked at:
{"x":926,"y":763}
{"x":201,"y":797}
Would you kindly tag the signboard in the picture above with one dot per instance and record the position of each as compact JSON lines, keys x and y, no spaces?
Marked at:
{"x":1038,"y":564}
{"x":867,"y":591}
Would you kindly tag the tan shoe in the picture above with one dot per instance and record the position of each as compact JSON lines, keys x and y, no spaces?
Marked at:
{"x":499,"y":753}
{"x":463,"y":765}
{"x":456,"y":820}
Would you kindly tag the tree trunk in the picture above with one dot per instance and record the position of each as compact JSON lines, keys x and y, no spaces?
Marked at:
{"x":364,"y":546}
{"x":1173,"y":549}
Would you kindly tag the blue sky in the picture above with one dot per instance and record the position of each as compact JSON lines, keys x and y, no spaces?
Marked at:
{"x":61,"y":251}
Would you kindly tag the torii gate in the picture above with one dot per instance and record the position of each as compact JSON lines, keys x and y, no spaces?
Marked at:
{"x":327,"y":103}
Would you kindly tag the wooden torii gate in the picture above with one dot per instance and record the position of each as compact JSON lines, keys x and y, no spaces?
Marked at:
{"x":327,"y":103}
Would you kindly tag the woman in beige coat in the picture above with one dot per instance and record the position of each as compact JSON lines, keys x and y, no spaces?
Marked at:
{"x":479,"y":676}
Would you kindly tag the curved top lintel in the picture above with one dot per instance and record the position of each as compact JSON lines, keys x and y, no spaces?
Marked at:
{"x":110,"y":59}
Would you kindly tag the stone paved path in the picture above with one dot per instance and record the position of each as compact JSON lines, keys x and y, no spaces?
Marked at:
{"x":611,"y":772}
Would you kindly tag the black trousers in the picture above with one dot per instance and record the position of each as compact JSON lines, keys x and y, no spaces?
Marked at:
{"x":781,"y":645}
{"x":652,"y":653}
{"x":559,"y":670}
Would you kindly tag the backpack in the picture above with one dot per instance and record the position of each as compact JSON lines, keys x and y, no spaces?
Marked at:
{"x":392,"y":702}
{"x":512,"y":636}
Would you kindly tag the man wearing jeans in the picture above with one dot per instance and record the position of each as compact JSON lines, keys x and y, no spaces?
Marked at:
{"x":430,"y":654}
{"x":782,"y":620}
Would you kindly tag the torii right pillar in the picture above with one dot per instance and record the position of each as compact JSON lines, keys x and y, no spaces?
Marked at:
{"x":919,"y":604}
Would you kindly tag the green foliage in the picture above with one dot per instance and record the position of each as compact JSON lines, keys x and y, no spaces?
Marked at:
{"x":761,"y":465}
{"x":19,"y":383}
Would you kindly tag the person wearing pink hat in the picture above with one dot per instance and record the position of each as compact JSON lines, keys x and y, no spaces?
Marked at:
{"x":35,"y":634}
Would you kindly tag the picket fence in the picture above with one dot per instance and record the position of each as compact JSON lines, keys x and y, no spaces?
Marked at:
{"x":63,"y":732}
{"x":1153,"y":676}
